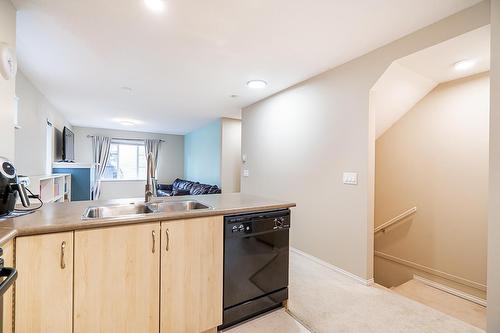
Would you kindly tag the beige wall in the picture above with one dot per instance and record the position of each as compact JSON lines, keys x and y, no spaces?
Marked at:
{"x":494,"y":204}
{"x":33,"y":112}
{"x":230,"y":155}
{"x":170,"y":161}
{"x":7,"y":88}
{"x":436,"y":158}
{"x":300,"y":141}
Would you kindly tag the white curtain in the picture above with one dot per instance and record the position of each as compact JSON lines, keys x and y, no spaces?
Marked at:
{"x":49,"y":152}
{"x":100,"y":154}
{"x":153,"y":146}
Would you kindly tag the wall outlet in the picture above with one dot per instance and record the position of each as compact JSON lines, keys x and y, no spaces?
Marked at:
{"x":350,"y":178}
{"x":246,"y":173}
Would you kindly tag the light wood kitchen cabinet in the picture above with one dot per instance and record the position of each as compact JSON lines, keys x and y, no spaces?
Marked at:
{"x":44,"y":287}
{"x":8,"y":257}
{"x":146,"y":277}
{"x":191,"y":275}
{"x":117,"y":273}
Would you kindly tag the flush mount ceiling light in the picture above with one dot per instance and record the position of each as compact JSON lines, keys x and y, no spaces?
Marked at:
{"x":256,"y":84}
{"x":127,"y":122}
{"x":464,"y":65}
{"x":157,"y":6}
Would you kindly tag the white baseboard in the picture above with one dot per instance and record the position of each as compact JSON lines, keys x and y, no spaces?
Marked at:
{"x":323,"y":263}
{"x":451,"y":291}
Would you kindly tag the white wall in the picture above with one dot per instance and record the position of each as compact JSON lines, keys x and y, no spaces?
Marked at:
{"x":299,"y":141}
{"x":231,"y":155}
{"x":33,"y":112}
{"x":7,"y":88}
{"x":494,"y":203}
{"x":170,"y":161}
{"x":122,"y":189}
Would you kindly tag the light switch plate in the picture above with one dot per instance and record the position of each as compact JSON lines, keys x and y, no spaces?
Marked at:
{"x":350,"y":178}
{"x":246,"y":173}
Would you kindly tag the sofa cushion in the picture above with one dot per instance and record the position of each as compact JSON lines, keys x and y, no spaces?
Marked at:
{"x":164,"y":193}
{"x":214,"y":190}
{"x":181,"y":184}
{"x":165,"y":187}
{"x":198,"y":189}
{"x":178,"y":192}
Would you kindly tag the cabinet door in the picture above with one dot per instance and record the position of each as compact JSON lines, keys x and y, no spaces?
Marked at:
{"x":191,"y":275}
{"x":44,"y":287}
{"x":8,"y":302}
{"x":117,"y":279}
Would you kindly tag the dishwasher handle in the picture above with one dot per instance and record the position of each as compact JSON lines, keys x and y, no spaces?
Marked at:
{"x":10,"y":275}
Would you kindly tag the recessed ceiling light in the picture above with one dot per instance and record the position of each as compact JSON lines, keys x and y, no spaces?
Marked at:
{"x":127,"y":89}
{"x":464,"y":65}
{"x":256,"y":84}
{"x":155,"y":5}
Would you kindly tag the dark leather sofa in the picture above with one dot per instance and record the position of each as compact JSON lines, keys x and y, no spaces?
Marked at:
{"x":186,"y":187}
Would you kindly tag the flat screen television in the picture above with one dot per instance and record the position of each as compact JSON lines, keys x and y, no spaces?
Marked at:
{"x":68,"y":145}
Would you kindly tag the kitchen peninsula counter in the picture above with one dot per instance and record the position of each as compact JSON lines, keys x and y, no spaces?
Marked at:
{"x":60,"y":217}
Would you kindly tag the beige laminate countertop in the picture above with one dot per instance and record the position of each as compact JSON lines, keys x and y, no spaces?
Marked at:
{"x":6,"y":234}
{"x":58,"y":217}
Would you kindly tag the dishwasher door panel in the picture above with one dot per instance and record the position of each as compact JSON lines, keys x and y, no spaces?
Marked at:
{"x":255,"y":266}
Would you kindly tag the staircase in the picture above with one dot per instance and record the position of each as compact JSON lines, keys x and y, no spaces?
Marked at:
{"x":452,"y":305}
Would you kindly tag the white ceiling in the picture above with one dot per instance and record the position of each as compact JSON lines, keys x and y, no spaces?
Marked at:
{"x":184,"y":64}
{"x":395,"y":93}
{"x":411,"y":78}
{"x":436,"y":62}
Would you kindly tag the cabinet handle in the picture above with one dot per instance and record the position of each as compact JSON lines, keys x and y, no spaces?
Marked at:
{"x":154,"y":241}
{"x":168,"y":239}
{"x":63,"y":262}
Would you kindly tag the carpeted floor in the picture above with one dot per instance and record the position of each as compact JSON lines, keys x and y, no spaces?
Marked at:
{"x":454,"y":306}
{"x":325,"y":301}
{"x":328,"y":302}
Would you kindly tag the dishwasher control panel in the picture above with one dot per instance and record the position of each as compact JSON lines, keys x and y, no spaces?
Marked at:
{"x":253,"y":223}
{"x":244,"y":227}
{"x":281,"y":222}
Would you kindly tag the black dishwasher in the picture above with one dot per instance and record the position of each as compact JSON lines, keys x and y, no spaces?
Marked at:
{"x":256,"y":259}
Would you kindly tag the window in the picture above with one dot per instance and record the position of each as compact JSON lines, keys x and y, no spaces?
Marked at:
{"x":127,"y":160}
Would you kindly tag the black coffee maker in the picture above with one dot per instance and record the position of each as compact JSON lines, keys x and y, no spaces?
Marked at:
{"x":9,"y":188}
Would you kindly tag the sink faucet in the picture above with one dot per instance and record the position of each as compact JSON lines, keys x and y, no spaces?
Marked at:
{"x":150,"y":190}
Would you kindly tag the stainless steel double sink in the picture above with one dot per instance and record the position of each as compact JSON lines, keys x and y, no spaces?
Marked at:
{"x":139,"y":209}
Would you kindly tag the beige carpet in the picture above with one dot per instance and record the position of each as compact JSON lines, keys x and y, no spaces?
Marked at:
{"x":454,"y":306}
{"x":328,"y":302}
